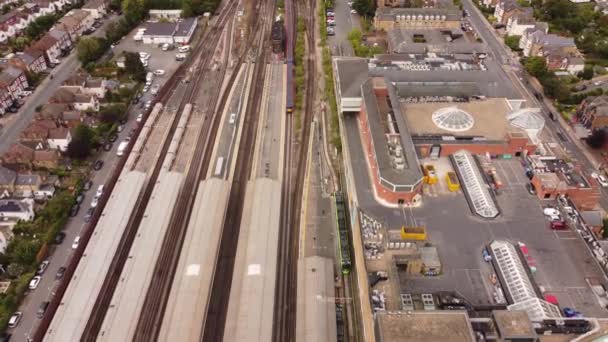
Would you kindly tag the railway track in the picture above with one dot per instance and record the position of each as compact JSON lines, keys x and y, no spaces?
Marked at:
{"x":286,"y":288}
{"x":152,"y":313}
{"x":213,"y":327}
{"x":202,"y":59}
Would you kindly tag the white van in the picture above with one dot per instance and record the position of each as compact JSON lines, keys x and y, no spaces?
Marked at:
{"x":121,"y":148}
{"x":149,"y":76}
{"x":185,"y":48}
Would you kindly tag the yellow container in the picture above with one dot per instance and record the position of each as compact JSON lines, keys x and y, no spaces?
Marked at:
{"x":413,"y":233}
{"x":452,"y":180}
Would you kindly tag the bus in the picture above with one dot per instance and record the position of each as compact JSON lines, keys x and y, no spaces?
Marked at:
{"x":342,"y":226}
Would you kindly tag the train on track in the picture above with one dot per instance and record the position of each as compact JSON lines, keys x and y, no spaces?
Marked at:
{"x":342,"y":226}
{"x":290,"y":26}
{"x":277,"y":37}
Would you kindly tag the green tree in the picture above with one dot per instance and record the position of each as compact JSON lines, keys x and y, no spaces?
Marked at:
{"x":6,"y":9}
{"x":134,"y":10}
{"x":366,"y":8}
{"x":587,"y":73}
{"x":90,"y":49}
{"x":83,"y":140}
{"x":597,"y":139}
{"x":23,"y":250}
{"x":513,"y":42}
{"x":112,"y":113}
{"x":536,"y":66}
{"x":134,"y":66}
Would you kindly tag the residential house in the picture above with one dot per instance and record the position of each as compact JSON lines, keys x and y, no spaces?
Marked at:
{"x":13,"y":80}
{"x":71,"y":118}
{"x":82,"y":82}
{"x":593,"y":112}
{"x":59,"y":138}
{"x":79,"y":100}
{"x":517,"y":24}
{"x":47,"y":7}
{"x":26,"y":184}
{"x":31,"y":60}
{"x":50,"y":47}
{"x":31,"y":154}
{"x":8,"y":26}
{"x":557,"y":60}
{"x":30,"y":12}
{"x":54,"y":111}
{"x":24,"y":18}
{"x":97,"y":8}
{"x":489,"y":3}
{"x":15,"y":210}
{"x":5,"y":100}
{"x":506,"y":9}
{"x":37,"y":130}
{"x":7,"y":181}
{"x":538,"y":43}
{"x":75,"y":23}
{"x":64,"y":39}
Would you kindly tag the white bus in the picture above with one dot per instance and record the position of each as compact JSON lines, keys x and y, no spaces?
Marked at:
{"x":121,"y":148}
{"x":219,"y":166}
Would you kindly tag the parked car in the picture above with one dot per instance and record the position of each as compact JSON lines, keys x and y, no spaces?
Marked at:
{"x":59,"y":238}
{"x":140,"y":117}
{"x":34,"y":282}
{"x":42,"y":267}
{"x":15,"y":319}
{"x":600,"y":179}
{"x":558,"y":225}
{"x":99,"y":191}
{"x":353,"y":11}
{"x":120,"y":128}
{"x":88,"y":215}
{"x":107,"y":146}
{"x":154,"y":89}
{"x":159,"y":72}
{"x":94,"y":202}
{"x":530,"y":189}
{"x":79,"y":199}
{"x":113,"y":137}
{"x":60,"y":272}
{"x":87,"y":185}
{"x":75,"y":209}
{"x":76,"y":242}
{"x":98,"y":165}
{"x":42,"y":309}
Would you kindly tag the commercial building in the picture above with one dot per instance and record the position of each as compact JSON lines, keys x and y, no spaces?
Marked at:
{"x":417,"y":18}
{"x":429,"y":105}
{"x":453,"y":326}
{"x":553,"y":177}
{"x":593,"y":112}
{"x":179,"y":32}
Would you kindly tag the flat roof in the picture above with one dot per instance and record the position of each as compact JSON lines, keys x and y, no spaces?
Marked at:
{"x":377,"y":109}
{"x":513,"y":324}
{"x":352,"y":73}
{"x":490,"y":118}
{"x":453,"y":326}
{"x":316,"y":312}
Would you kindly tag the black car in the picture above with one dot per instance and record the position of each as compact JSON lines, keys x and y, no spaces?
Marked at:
{"x":42,"y":309}
{"x":59,"y":238}
{"x":60,"y":273}
{"x":87,"y":185}
{"x":89,"y":215}
{"x":80,"y":199}
{"x":12,"y":109}
{"x":113,"y":138}
{"x":98,"y":165}
{"x":74,"y":210}
{"x":530,"y":189}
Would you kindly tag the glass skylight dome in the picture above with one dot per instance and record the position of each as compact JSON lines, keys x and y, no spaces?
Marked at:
{"x":453,"y":119}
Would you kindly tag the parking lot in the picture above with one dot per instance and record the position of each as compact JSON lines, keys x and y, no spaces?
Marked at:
{"x":159,"y":59}
{"x":460,"y":239}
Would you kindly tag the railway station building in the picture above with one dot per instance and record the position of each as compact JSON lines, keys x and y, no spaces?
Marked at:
{"x":429,"y":106}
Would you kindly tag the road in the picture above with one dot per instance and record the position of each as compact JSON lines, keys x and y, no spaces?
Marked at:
{"x":14,"y":124}
{"x":59,"y":254}
{"x":513,"y":70}
{"x":345,"y":22}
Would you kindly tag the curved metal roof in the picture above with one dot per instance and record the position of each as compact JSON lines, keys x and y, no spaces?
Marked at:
{"x":453,"y":119}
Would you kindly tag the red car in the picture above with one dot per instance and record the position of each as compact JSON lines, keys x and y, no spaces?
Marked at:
{"x":558,"y":225}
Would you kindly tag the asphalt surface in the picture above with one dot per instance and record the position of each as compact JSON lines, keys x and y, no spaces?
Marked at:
{"x":345,"y":22}
{"x":526,"y":88}
{"x":59,"y":254}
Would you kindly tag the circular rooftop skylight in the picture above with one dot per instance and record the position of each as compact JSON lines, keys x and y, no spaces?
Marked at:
{"x":453,"y":119}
